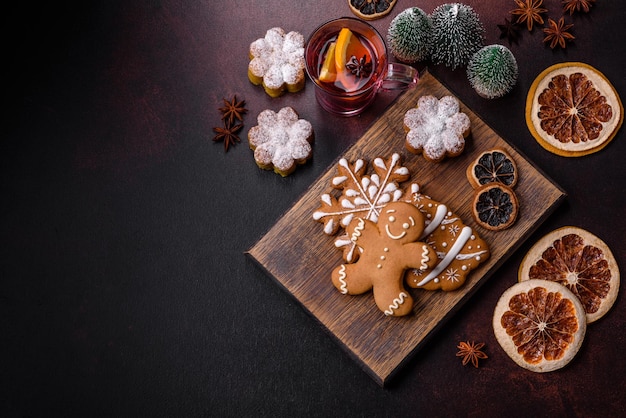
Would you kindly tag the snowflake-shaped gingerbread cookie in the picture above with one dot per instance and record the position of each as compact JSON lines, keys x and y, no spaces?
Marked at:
{"x":436,"y":128}
{"x":362,"y":195}
{"x":277,"y":62}
{"x":281,"y":140}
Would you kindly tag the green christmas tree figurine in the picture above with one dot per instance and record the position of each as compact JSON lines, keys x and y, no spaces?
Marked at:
{"x":492,"y":71}
{"x":457,"y":34}
{"x":410,"y":35}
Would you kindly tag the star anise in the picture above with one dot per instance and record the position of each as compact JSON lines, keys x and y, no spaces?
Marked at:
{"x":572,"y":6}
{"x":471,"y":352}
{"x":228,"y":134}
{"x":529,"y":11}
{"x":557,"y":33}
{"x":509,"y":30}
{"x":359,"y":67}
{"x":233,"y":110}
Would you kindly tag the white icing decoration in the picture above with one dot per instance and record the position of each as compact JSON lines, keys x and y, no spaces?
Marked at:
{"x":425,"y":258}
{"x":378,"y":162}
{"x":342,"y":242}
{"x":396,"y":303}
{"x":358,"y":230}
{"x":338,"y":180}
{"x":402,"y":170}
{"x":328,"y":228}
{"x":392,"y":236}
{"x":462,"y":257}
{"x":450,"y":256}
{"x":436,"y":221}
{"x":343,"y":288}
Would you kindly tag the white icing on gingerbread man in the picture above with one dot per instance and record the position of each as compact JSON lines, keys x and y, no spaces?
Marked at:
{"x":389,"y":248}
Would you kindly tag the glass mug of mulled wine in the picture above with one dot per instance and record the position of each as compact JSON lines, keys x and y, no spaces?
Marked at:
{"x":346,"y":59}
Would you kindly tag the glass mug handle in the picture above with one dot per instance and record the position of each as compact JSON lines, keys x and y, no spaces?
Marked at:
{"x":399,"y":77}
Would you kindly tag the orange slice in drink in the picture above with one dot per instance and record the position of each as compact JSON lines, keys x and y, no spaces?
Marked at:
{"x":341,"y":51}
{"x":328,"y":72}
{"x":348,"y":46}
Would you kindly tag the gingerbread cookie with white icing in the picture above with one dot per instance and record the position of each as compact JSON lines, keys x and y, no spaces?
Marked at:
{"x":459,"y":248}
{"x":362,"y":195}
{"x":389,"y":248}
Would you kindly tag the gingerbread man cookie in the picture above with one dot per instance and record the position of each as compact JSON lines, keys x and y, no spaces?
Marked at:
{"x":390,"y":248}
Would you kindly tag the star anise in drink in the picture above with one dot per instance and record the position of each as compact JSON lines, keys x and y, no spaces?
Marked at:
{"x":361,"y":68}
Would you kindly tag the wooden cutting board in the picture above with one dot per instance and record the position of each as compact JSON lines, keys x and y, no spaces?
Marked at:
{"x":300,"y":257}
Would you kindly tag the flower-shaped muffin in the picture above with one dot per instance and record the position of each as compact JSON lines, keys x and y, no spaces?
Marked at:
{"x":436,"y":128}
{"x":281,"y":141}
{"x":277,"y":62}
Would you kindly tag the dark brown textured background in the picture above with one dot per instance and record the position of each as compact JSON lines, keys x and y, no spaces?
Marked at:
{"x":125,"y":288}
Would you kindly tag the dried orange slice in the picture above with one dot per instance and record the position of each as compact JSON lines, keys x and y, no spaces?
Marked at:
{"x":371,"y":9}
{"x":495,"y":206}
{"x":579,"y":260}
{"x":540,"y":324}
{"x":491,"y":166}
{"x":573,"y":110}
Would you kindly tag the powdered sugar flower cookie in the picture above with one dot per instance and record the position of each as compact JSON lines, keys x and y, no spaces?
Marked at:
{"x":281,"y":140}
{"x":436,"y":128}
{"x":277,"y":62}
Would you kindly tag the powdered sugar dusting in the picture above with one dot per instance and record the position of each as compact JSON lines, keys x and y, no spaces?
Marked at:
{"x":281,"y":140}
{"x":436,"y":127}
{"x":278,"y":58}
